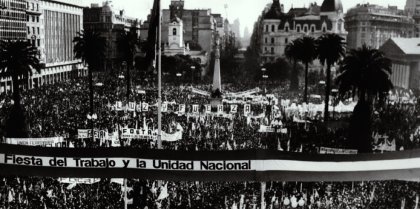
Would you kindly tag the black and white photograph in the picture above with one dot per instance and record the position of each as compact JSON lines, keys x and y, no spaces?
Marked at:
{"x":209,"y":104}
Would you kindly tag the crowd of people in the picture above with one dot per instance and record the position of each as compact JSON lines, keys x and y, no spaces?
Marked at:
{"x":60,"y":110}
{"x":36,"y":192}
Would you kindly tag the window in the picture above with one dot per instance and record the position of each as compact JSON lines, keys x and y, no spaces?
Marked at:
{"x":298,"y":28}
{"x":33,"y":30}
{"x":272,"y":40}
{"x":305,"y":29}
{"x":33,"y":6}
{"x":324,"y":29}
{"x":313,"y":29}
{"x":266,"y":28}
{"x":272,"y":50}
{"x":286,"y":40}
{"x":37,"y":19}
{"x":33,"y":18}
{"x":39,"y":42}
{"x":174,"y":31}
{"x":37,"y":7}
{"x":265,"y":49}
{"x":29,"y":30}
{"x":37,"y":30}
{"x":272,"y":28}
{"x":286,"y":28}
{"x":266,"y":40}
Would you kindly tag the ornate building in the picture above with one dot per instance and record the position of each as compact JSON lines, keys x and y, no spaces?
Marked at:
{"x":281,"y":28}
{"x":109,"y":23}
{"x":373,"y":25}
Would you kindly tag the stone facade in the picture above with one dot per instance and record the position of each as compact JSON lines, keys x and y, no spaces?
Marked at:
{"x":279,"y":28}
{"x":373,"y":25}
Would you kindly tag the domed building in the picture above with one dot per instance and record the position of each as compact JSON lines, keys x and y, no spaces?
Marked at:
{"x":280,"y":28}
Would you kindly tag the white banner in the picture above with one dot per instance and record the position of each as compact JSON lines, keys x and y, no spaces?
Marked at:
{"x":208,"y":109}
{"x":44,"y":142}
{"x":195,"y":109}
{"x":233,"y":108}
{"x":247,"y":109}
{"x":87,"y":134}
{"x":131,"y":133}
{"x":220,"y":109}
{"x":79,"y":180}
{"x":336,"y":151}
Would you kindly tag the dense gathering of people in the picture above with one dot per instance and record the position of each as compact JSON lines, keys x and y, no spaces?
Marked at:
{"x":61,"y":109}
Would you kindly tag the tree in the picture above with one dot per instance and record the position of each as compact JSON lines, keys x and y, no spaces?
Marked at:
{"x":18,"y":59}
{"x":330,"y":49}
{"x":292,"y":53}
{"x":90,"y":48}
{"x":307,"y":53}
{"x":127,"y":48}
{"x":366,"y":71}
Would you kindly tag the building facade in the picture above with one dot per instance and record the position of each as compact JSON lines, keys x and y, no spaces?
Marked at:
{"x":109,"y":24}
{"x":412,"y":7}
{"x":405,"y":56}
{"x":279,"y":28}
{"x":373,"y":25}
{"x":61,"y":21}
{"x":12,"y":19}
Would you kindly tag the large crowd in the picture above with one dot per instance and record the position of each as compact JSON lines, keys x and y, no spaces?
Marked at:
{"x":60,"y":110}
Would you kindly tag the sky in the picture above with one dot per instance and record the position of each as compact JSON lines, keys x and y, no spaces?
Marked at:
{"x":247,"y":11}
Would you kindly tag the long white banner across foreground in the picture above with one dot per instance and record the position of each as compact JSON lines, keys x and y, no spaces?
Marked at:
{"x":250,"y":165}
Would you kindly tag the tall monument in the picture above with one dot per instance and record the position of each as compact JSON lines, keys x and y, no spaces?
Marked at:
{"x":216,"y":90}
{"x":217,"y":83}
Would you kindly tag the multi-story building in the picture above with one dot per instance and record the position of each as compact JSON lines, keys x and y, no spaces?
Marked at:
{"x":35,"y":27}
{"x":373,"y":25}
{"x":61,"y":20}
{"x":279,"y":28}
{"x":412,"y":7}
{"x":12,"y":19}
{"x":12,"y":27}
{"x":109,"y":24}
{"x":200,"y":25}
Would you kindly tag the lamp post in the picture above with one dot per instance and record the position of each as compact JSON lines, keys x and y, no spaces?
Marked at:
{"x":192,"y":74}
{"x":334,"y":93}
{"x":178,"y":76}
{"x":264,"y":76}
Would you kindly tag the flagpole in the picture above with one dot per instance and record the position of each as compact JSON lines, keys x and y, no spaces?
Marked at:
{"x":159,"y":142}
{"x":125,"y":194}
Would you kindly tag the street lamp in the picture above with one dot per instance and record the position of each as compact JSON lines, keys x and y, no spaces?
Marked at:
{"x":334,"y":93}
{"x":178,"y":75}
{"x":192,"y":74}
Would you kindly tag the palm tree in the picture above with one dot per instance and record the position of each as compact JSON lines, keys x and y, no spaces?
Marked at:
{"x":330,"y":49}
{"x":127,"y":47}
{"x":90,"y":48}
{"x":366,"y":71}
{"x":18,"y":59}
{"x":292,"y":53}
{"x":308,"y":52}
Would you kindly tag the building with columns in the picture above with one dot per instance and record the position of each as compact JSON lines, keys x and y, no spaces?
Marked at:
{"x":405,"y":56}
{"x":280,"y":28}
{"x":373,"y":25}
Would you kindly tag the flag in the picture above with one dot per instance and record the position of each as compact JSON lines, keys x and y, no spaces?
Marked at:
{"x":71,"y":186}
{"x":152,"y":33}
{"x":10,"y":196}
{"x":163,"y":192}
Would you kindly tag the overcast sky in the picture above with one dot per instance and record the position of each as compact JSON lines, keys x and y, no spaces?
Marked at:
{"x":246,"y":10}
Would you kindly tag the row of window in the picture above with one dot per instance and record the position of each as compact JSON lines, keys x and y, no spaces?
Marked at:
{"x":298,"y":28}
{"x":286,"y":40}
{"x":12,"y":15}
{"x":11,"y":24}
{"x":36,"y":42}
{"x":33,"y":30}
{"x":12,"y":35}
{"x":33,"y":8}
{"x":34,"y":18}
{"x":13,"y":4}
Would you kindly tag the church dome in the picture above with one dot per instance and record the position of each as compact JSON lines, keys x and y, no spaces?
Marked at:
{"x":332,"y":6}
